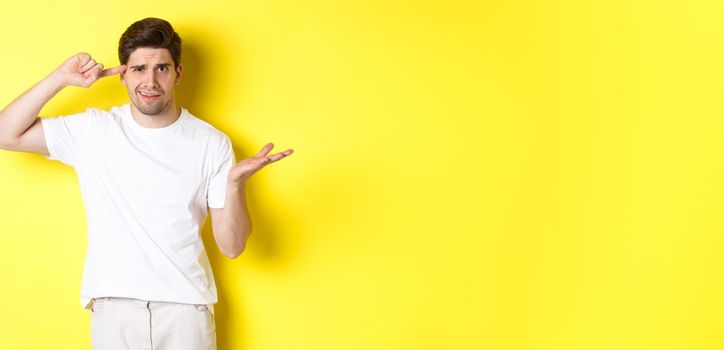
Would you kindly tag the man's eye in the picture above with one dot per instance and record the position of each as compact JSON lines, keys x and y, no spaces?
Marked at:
{"x":162,"y":68}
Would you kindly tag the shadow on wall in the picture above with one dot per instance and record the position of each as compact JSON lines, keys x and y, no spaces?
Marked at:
{"x":265,"y":238}
{"x":193,"y":77}
{"x":265,"y":243}
{"x":189,"y":94}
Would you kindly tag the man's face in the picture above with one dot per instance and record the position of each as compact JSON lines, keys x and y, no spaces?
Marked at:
{"x":150,"y":78}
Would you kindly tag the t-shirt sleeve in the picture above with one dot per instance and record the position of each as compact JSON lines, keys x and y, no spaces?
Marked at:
{"x":65,"y":136}
{"x":225,"y":160}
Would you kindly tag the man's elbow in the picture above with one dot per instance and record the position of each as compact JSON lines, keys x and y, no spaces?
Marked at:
{"x":234,"y":253}
{"x":8,"y":144}
{"x":234,"y":250}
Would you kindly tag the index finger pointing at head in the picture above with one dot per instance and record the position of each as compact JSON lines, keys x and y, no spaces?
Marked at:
{"x":113,"y":71}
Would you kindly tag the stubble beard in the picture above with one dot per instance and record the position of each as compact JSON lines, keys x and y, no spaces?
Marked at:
{"x":150,"y":109}
{"x":153,"y":109}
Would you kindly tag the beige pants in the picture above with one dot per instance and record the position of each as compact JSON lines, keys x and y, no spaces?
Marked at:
{"x":133,"y":324}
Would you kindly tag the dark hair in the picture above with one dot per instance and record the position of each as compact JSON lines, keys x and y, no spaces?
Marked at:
{"x":153,"y":33}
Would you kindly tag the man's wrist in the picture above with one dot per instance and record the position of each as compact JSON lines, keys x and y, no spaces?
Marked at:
{"x":236,"y":185}
{"x":57,"y":81}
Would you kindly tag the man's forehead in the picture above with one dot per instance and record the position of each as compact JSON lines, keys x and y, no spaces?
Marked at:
{"x":145,"y":55}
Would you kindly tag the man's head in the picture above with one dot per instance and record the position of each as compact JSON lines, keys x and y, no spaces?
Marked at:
{"x":151,"y":50}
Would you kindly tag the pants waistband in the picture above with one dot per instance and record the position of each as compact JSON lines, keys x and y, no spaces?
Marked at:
{"x":140,"y":301}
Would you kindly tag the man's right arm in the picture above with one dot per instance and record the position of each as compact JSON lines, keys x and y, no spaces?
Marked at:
{"x":20,"y":126}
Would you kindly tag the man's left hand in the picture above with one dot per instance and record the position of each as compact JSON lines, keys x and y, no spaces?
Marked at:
{"x":249,"y":166}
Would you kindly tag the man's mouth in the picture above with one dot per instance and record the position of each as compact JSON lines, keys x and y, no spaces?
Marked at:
{"x":149,"y":96}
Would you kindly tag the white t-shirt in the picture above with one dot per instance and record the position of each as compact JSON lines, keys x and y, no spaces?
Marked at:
{"x":146,"y":192}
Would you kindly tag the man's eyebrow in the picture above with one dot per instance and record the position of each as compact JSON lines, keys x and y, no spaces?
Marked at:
{"x":158,"y":65}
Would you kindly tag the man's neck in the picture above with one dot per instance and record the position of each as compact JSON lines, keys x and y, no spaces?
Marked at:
{"x":161,"y":120}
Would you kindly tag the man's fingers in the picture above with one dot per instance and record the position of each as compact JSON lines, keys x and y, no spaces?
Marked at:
{"x":274,"y":157}
{"x":82,"y":58}
{"x":258,"y":162}
{"x":113,"y":71}
{"x":265,"y":150}
{"x":91,"y":75}
{"x":88,"y":65}
{"x":95,"y":72}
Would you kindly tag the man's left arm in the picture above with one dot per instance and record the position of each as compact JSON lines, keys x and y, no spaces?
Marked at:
{"x":232,"y":223}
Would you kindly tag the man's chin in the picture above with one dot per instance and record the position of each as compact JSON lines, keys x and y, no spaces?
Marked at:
{"x":151,"y":110}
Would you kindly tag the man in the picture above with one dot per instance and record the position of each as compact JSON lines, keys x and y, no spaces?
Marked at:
{"x":148,"y":172}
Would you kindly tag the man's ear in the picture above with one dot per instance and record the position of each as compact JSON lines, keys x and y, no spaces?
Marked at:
{"x":122,"y":76}
{"x":179,"y":72}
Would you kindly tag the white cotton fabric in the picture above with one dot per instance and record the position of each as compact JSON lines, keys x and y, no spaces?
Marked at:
{"x":147,"y":192}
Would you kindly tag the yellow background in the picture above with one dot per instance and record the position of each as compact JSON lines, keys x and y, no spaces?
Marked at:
{"x":467,"y":175}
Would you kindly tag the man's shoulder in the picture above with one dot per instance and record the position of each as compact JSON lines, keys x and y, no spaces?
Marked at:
{"x":115,"y":112}
{"x":202,"y":126}
{"x":86,"y":116}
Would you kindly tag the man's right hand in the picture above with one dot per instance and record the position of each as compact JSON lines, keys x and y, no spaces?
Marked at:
{"x":82,"y":70}
{"x":20,"y":127}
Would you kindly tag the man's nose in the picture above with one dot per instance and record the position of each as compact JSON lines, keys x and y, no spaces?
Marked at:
{"x":150,"y":78}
